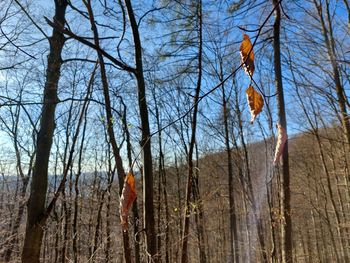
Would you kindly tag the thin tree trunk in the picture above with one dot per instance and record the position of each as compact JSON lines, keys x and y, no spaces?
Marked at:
{"x":76,"y":198}
{"x":162,"y":185}
{"x":199,"y":213}
{"x":65,"y":206}
{"x":248,"y":186}
{"x":111,"y":172}
{"x":57,"y":236}
{"x":159,"y":210}
{"x":232,"y":206}
{"x":65,"y":215}
{"x":286,"y":226}
{"x":180,"y":224}
{"x":246,"y":253}
{"x":317,"y":244}
{"x":92,"y":210}
{"x":148,"y":208}
{"x":247,"y":257}
{"x":167,"y":218}
{"x":269,"y":183}
{"x":98,"y":225}
{"x":273,"y":255}
{"x":185,"y":234}
{"x":135,"y":210}
{"x":110,"y":129}
{"x":108,"y":247}
{"x":36,"y":203}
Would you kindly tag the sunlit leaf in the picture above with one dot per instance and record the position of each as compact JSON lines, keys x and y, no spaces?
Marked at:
{"x":281,"y":141}
{"x":247,"y":55}
{"x":255,"y":102}
{"x":127,"y":198}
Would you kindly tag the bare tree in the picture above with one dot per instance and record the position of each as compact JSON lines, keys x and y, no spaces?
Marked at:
{"x":286,"y":225}
{"x":191,"y":177}
{"x":36,"y":203}
{"x":148,"y":207}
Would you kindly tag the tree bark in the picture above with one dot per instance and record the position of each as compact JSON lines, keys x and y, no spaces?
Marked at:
{"x":190,"y":177}
{"x":38,"y":189}
{"x":286,"y":226}
{"x":148,"y":206}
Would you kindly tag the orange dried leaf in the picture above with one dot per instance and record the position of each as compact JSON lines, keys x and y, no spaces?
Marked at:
{"x":281,"y":141}
{"x":255,"y":102}
{"x":247,"y":55}
{"x":127,"y":198}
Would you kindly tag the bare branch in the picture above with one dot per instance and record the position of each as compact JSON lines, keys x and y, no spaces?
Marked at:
{"x":91,"y":45}
{"x":31,"y":19}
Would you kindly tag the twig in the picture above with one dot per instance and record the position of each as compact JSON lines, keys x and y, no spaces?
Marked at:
{"x":31,"y":19}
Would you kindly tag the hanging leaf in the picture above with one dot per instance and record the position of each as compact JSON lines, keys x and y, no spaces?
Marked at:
{"x":281,"y":141}
{"x":127,"y":198}
{"x":247,"y":55}
{"x":255,"y":102}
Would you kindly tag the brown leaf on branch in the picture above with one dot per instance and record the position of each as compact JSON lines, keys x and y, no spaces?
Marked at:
{"x":281,"y":141}
{"x":126,"y":199}
{"x":247,"y":55}
{"x":255,"y":102}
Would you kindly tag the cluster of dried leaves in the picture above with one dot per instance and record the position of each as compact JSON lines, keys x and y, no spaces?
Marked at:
{"x":255,"y":100}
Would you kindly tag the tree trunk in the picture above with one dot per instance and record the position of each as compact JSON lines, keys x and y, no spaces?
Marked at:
{"x":75,"y":229}
{"x":286,"y":226}
{"x":179,"y":198}
{"x":190,"y":178}
{"x":135,"y":210}
{"x":232,"y":205}
{"x":149,"y":222}
{"x":98,"y":223}
{"x":162,"y":185}
{"x":110,"y":129}
{"x":36,"y":203}
{"x":199,"y":213}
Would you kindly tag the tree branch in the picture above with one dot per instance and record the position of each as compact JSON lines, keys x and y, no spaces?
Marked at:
{"x":67,"y":32}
